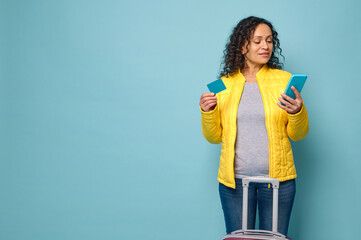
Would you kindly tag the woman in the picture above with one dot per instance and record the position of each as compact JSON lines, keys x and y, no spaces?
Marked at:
{"x":253,"y":126}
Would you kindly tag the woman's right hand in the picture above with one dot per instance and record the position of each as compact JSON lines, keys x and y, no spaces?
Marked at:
{"x":208,"y":102}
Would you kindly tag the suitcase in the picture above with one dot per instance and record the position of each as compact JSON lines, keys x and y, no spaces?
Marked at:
{"x":247,"y":234}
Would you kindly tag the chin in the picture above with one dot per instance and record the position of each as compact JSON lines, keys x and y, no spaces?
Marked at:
{"x":265,"y":61}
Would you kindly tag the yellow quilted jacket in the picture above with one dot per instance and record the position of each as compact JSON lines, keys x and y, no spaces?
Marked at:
{"x":220,"y":124}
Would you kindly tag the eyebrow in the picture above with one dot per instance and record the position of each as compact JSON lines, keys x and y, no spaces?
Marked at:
{"x":262,"y":36}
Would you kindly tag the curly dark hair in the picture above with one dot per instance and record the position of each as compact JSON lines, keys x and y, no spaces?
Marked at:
{"x":234,"y":60}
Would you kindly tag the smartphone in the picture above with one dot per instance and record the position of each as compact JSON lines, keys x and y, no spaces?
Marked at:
{"x":297,"y":80}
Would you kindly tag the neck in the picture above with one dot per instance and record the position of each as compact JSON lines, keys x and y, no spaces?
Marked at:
{"x":251,"y":69}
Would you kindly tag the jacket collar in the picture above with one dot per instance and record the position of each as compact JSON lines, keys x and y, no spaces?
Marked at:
{"x":263,"y":69}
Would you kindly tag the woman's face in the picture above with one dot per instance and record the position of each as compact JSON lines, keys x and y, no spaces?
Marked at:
{"x":260,"y":46}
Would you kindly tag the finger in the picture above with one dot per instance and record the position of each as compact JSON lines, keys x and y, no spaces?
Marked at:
{"x":210,"y":98}
{"x":209,"y":94}
{"x":207,"y":107}
{"x":282,"y":107}
{"x":210,"y":103}
{"x":205,"y":95}
{"x":297,"y":93}
{"x":296,"y":103}
{"x":288,"y":104}
{"x":289,"y":99}
{"x":203,"y":100}
{"x":287,"y":109}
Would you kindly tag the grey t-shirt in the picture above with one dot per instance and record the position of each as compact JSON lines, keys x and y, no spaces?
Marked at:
{"x":251,"y":149}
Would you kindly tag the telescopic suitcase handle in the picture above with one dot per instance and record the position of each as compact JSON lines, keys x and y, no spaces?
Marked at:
{"x":275,"y":185}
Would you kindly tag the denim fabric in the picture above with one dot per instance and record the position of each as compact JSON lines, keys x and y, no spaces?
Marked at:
{"x":259,"y":195}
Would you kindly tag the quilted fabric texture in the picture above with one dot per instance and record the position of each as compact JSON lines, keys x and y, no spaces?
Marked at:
{"x":220,"y":125}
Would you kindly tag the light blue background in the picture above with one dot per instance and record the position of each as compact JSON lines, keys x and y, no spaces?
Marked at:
{"x":100,"y":126}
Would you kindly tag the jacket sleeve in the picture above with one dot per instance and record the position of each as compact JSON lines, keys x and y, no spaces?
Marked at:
{"x":297,"y":127}
{"x":211,"y":125}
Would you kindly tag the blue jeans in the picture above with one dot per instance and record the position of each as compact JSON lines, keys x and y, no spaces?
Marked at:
{"x":259,"y":194}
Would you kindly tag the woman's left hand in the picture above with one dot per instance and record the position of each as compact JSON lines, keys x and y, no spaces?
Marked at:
{"x":292,"y":106}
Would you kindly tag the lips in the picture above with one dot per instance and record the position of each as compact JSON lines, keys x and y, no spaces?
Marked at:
{"x":264,"y":54}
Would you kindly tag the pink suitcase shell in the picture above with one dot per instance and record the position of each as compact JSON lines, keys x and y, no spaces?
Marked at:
{"x":246,"y":234}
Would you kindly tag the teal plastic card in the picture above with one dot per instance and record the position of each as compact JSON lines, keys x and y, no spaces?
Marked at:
{"x":216,"y":86}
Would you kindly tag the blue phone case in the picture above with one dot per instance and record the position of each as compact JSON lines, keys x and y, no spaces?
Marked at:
{"x":298,"y":81}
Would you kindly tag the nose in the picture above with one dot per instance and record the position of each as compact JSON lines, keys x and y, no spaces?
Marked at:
{"x":265,"y":45}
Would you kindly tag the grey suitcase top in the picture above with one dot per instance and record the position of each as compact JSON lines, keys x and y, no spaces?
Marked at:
{"x":258,"y":234}
{"x":255,"y":235}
